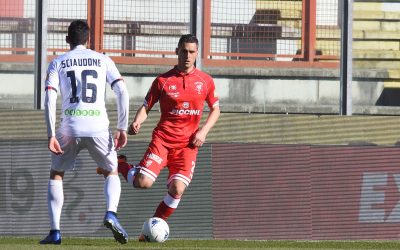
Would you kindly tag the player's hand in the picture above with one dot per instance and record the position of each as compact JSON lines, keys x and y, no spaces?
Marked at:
{"x":134,"y":128}
{"x":199,"y":138}
{"x":120,"y":139}
{"x":54,"y":146}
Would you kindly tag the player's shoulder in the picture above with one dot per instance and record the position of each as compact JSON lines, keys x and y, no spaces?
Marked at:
{"x":55,"y":62}
{"x":169,"y":73}
{"x":94,"y":53}
{"x":61,"y":57}
{"x":203,"y":75}
{"x":165,"y":76}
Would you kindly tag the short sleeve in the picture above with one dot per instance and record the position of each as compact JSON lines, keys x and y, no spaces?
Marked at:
{"x":212,"y":98}
{"x":113,"y":73}
{"x":153,"y":95}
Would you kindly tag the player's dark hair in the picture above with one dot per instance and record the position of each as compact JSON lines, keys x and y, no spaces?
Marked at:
{"x":188,"y":38}
{"x":78,"y":32}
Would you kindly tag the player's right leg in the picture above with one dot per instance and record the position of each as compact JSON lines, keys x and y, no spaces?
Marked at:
{"x":146,"y":172}
{"x":123,"y":168}
{"x":112,"y":223}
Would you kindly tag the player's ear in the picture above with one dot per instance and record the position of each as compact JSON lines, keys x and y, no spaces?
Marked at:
{"x":67,"y":39}
{"x":176,"y":51}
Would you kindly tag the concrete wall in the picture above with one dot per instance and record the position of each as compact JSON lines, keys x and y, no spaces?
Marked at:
{"x":265,"y":92}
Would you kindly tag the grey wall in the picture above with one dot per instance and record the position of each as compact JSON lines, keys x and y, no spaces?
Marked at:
{"x":240,"y":94}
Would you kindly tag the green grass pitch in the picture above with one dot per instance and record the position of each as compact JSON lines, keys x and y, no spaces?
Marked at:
{"x":22,"y":243}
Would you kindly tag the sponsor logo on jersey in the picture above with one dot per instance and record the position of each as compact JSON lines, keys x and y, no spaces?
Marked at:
{"x":172,"y":87}
{"x":174,"y":94}
{"x":82,"y":112}
{"x":154,"y":157}
{"x":185,"y":112}
{"x":148,"y":163}
{"x":80,"y":62}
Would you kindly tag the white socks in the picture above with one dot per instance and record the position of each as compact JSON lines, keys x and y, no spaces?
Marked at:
{"x":55,"y":201}
{"x":55,"y":198}
{"x":112,"y":192}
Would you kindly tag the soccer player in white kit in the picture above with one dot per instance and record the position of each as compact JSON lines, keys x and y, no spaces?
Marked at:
{"x":80,"y":75}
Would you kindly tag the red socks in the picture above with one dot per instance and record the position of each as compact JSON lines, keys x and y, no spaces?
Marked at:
{"x":167,"y":207}
{"x":124,"y":168}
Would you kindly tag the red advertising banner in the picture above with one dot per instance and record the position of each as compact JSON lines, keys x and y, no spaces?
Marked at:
{"x":261,"y":191}
{"x":305,"y":192}
{"x":355,"y":192}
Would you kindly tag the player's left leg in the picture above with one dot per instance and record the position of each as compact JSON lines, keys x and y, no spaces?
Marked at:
{"x":123,"y":168}
{"x":55,"y":192}
{"x":181,"y":164}
{"x":168,"y":205}
{"x":171,"y":200}
{"x":105,"y":155}
{"x":55,"y":201}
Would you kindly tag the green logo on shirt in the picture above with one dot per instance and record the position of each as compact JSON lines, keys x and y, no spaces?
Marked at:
{"x":82,"y":112}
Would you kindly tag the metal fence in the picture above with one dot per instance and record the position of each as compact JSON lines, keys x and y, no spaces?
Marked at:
{"x":232,"y":32}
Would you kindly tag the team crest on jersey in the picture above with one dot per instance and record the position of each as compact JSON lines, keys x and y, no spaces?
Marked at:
{"x":185,"y":105}
{"x":198,"y":86}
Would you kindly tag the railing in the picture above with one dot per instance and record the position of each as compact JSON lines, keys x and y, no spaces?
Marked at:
{"x":268,"y":34}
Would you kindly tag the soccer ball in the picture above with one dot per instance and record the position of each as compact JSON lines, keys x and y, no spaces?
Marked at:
{"x":155,"y":230}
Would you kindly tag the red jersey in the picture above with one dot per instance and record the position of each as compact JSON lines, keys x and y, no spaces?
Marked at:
{"x":181,"y":97}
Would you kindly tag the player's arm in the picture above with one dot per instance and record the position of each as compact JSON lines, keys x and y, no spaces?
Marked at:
{"x":120,"y":90}
{"x":151,"y":98}
{"x":140,"y":117}
{"x":213,"y":103}
{"x":50,"y":110}
{"x":200,"y":137}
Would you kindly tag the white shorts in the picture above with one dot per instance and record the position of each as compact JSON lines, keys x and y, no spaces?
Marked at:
{"x":101,"y":149}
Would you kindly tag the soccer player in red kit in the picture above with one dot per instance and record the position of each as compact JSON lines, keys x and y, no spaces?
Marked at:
{"x":181,"y":93}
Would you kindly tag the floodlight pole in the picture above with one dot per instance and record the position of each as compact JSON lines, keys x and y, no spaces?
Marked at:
{"x":346,"y":59}
{"x":196,"y":27}
{"x":40,"y":51}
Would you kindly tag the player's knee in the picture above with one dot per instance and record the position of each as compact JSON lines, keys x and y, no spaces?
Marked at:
{"x":142,"y":181}
{"x":176,"y":188}
{"x":56,"y":175}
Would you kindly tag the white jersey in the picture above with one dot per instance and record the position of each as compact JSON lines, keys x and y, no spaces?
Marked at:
{"x":81,"y":76}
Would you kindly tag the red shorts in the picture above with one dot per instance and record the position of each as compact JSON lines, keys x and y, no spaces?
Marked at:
{"x":180,"y":162}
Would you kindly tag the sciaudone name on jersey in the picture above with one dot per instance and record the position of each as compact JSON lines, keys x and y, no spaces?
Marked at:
{"x":81,"y":62}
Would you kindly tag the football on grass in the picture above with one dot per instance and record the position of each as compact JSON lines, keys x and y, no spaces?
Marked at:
{"x":155,"y":230}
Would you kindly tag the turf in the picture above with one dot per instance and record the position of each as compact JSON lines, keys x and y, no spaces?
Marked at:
{"x":14,"y":243}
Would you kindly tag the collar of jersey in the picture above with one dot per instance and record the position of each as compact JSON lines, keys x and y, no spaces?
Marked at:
{"x":183,"y":73}
{"x":80,"y":47}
